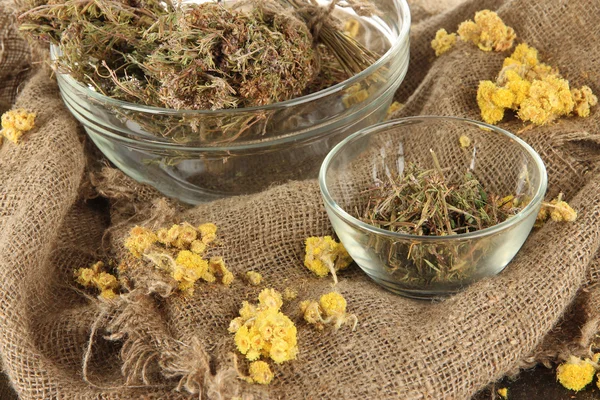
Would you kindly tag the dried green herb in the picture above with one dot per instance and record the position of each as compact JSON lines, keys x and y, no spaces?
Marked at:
{"x":194,"y":56}
{"x":422,"y":202}
{"x":207,"y":56}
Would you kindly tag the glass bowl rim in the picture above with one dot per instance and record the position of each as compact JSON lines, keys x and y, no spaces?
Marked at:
{"x":340,"y":212}
{"x":402,"y":37}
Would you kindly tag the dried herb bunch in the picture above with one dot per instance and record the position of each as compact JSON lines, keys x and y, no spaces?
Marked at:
{"x":422,"y":202}
{"x":195,"y":56}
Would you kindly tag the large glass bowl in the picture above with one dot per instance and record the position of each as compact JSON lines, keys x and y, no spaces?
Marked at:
{"x":198,"y":156}
{"x":418,"y":266}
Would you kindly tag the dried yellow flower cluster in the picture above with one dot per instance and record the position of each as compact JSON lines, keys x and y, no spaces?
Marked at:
{"x":15,"y":123}
{"x":329,"y":310}
{"x":443,"y":42}
{"x":488,"y":32}
{"x":324,"y":255}
{"x":557,"y":210}
{"x":97,"y":277}
{"x":576,"y":373}
{"x":535,"y":90}
{"x":260,"y":372}
{"x":264,"y":331}
{"x":178,"y":251}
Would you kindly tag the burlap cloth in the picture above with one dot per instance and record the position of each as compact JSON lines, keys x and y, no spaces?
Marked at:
{"x":543,"y":306}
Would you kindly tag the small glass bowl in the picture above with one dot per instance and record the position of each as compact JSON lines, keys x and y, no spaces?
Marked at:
{"x":411,"y":265}
{"x":198,"y":156}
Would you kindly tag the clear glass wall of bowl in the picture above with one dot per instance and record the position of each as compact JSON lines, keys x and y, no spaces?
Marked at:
{"x":198,"y":156}
{"x":429,"y":266}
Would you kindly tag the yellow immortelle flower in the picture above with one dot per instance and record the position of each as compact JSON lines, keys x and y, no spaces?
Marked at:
{"x":547,"y":100}
{"x":235,"y":324}
{"x":464,"y":141}
{"x":270,"y":298}
{"x":198,"y":247}
{"x":173,"y":234}
{"x":242,"y":339}
{"x":208,"y":232}
{"x":488,"y":32}
{"x":558,"y":210}
{"x":324,"y":255}
{"x":333,"y":304}
{"x":260,"y":372}
{"x":217,"y":266}
{"x":254,"y":278}
{"x":85,"y":277}
{"x":535,"y":90}
{"x":562,"y":211}
{"x":140,"y":240}
{"x":584,"y":99}
{"x":96,"y":277}
{"x":503,"y":392}
{"x":247,"y":311}
{"x":265,"y":331}
{"x":491,"y":112}
{"x":443,"y":42}
{"x":330,"y":310}
{"x":15,"y":123}
{"x":576,"y":373}
{"x":190,"y":267}
{"x":186,"y":235}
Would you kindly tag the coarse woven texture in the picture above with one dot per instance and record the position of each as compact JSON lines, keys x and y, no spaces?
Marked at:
{"x":543,"y":306}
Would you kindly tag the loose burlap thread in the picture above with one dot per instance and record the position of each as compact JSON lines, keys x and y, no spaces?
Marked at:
{"x":61,"y":209}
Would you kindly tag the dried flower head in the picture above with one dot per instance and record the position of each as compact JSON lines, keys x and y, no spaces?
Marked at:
{"x":576,"y":374}
{"x":503,"y":392}
{"x":208,"y":232}
{"x":253,"y":278}
{"x":491,"y":111}
{"x":443,"y":42}
{"x":260,"y":372}
{"x":584,"y":99}
{"x":140,"y":240}
{"x":488,"y":32}
{"x":186,"y":236}
{"x":329,"y":310}
{"x":548,"y":99}
{"x":264,"y":331}
{"x":198,"y":247}
{"x":558,"y":210}
{"x":217,"y":267}
{"x":190,"y":267}
{"x":324,"y":255}
{"x":464,"y":141}
{"x":15,"y":123}
{"x":97,"y":277}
